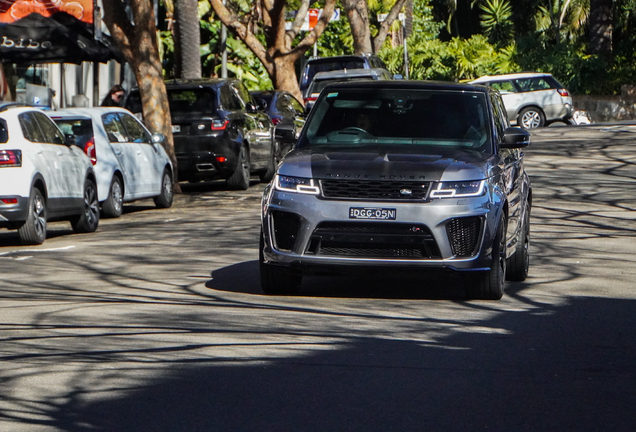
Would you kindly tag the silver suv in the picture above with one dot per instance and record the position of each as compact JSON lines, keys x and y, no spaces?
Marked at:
{"x":532,"y":99}
{"x":401,"y":174}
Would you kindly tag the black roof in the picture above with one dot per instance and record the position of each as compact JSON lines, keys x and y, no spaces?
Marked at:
{"x":404,"y":84}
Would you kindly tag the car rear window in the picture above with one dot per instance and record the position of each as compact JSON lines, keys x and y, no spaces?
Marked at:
{"x":197,"y":101}
{"x":317,"y":86}
{"x":200,"y":101}
{"x":457,"y":121}
{"x":329,"y":65}
{"x":81,"y":129}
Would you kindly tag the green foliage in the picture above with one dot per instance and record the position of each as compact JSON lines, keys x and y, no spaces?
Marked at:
{"x":496,"y":21}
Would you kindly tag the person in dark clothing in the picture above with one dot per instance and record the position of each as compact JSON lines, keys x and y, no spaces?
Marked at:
{"x":114,"y":97}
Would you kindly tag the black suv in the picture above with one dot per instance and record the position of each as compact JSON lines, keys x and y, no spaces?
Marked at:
{"x":326,"y":64}
{"x":401,"y":174}
{"x":218,"y":132}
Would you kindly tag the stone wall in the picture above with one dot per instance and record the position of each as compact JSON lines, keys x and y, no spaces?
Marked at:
{"x":609,"y":108}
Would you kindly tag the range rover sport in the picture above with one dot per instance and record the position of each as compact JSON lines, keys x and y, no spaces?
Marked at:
{"x":401,"y":174}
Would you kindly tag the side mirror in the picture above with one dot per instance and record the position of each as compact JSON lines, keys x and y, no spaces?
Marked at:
{"x":69,"y":139}
{"x":515,"y":137}
{"x":262,"y":105}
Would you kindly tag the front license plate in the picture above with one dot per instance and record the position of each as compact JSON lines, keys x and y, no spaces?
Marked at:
{"x":176,"y":128}
{"x":372,"y":213}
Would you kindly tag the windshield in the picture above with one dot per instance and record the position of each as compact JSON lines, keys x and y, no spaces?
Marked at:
{"x":455,"y":120}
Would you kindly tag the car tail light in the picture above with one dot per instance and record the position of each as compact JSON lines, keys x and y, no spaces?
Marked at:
{"x":91,"y":152}
{"x":275,"y":120}
{"x":563,"y":92}
{"x":219,"y":124}
{"x":221,"y":159}
{"x":9,"y":200}
{"x":10,"y":158}
{"x":310,"y":99}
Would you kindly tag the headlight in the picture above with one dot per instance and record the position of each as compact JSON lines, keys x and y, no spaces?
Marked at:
{"x":296,"y":184}
{"x":458,"y":189}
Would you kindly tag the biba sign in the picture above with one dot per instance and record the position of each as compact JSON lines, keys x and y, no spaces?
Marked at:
{"x":22,"y":43}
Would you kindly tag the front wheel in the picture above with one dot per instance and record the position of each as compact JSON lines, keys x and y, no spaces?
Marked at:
{"x":89,"y":219}
{"x":489,"y":285}
{"x":277,"y":280}
{"x":164,"y":199}
{"x":531,"y":118}
{"x":33,"y":231}
{"x":240,"y":178}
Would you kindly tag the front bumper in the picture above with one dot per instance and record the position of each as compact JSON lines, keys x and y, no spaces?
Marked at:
{"x":304,"y":232}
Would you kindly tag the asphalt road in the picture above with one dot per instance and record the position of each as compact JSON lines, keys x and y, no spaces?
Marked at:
{"x":156,"y":322}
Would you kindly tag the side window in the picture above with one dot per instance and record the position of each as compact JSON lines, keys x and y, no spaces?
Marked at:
{"x":50,"y":132}
{"x":244,"y":94}
{"x":4,"y":131}
{"x":114,"y":128}
{"x":533,"y":84}
{"x":283,"y":104}
{"x":296,"y":105}
{"x":232,"y":98}
{"x":497,"y":114}
{"x":136,"y":132}
{"x":30,"y":128}
{"x":504,"y":86}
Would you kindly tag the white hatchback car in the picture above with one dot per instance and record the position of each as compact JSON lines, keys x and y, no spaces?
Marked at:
{"x":130,"y":162}
{"x":532,"y":99}
{"x":42,"y":176}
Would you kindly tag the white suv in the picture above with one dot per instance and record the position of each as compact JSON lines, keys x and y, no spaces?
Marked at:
{"x":129,"y":162}
{"x":42,"y":177}
{"x":531,"y":99}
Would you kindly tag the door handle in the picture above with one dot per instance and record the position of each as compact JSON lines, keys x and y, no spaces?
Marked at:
{"x":60,"y":153}
{"x":117,"y":151}
{"x":138,"y":152}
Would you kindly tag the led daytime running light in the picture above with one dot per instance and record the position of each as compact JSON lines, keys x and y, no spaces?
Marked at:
{"x":454,"y":189}
{"x":296,"y":184}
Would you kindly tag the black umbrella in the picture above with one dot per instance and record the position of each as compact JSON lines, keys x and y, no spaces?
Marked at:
{"x":60,"y":38}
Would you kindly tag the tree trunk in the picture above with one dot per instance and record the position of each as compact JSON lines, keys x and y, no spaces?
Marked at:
{"x":278,"y":56}
{"x":358,"y":16}
{"x":188,"y":30}
{"x":601,"y":27}
{"x":138,"y":43}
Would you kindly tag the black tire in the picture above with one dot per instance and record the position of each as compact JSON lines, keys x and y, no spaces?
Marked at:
{"x":240,"y":178}
{"x":489,"y":285}
{"x":531,"y":118}
{"x":33,"y":231}
{"x":519,"y":263}
{"x":164,"y":199}
{"x":267,"y":175}
{"x":277,"y":280}
{"x":113,"y":207}
{"x":88,"y":220}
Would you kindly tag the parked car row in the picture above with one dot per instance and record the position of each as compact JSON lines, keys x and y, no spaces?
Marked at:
{"x":92,"y":161}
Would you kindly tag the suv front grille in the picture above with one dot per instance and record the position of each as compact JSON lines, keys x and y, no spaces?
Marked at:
{"x":464,"y":235}
{"x":375,"y":190}
{"x":373,"y":240}
{"x":286,"y":226}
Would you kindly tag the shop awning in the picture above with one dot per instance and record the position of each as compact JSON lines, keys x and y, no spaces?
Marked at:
{"x":57,"y":38}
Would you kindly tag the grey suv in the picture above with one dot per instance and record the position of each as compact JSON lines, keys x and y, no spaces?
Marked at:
{"x":401,"y":174}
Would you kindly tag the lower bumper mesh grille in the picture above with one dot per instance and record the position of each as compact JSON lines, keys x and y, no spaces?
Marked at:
{"x":373,"y":240}
{"x":286,"y":226}
{"x":464,"y":235}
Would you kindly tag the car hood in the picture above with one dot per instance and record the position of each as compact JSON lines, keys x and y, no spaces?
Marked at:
{"x":395,"y":163}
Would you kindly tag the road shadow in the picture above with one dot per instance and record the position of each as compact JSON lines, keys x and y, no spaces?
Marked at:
{"x":553,"y":368}
{"x":243,"y":278}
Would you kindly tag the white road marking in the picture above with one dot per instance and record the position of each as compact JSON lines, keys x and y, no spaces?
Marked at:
{"x":37,"y":250}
